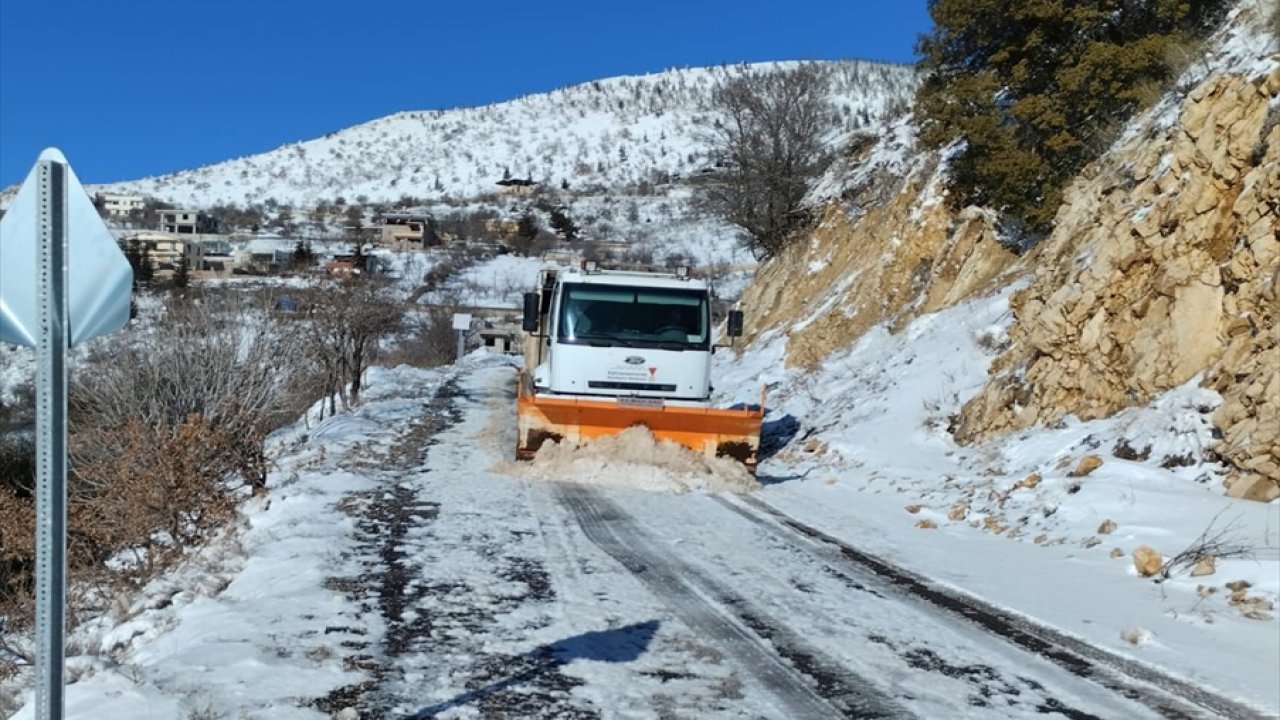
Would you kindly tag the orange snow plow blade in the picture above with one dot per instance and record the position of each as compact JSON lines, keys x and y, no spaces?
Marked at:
{"x":712,"y":432}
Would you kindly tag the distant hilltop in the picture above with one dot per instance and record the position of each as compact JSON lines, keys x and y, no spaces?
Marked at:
{"x":594,"y":137}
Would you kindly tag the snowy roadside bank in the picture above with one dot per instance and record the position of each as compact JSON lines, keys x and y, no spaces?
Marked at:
{"x":865,"y":457}
{"x":247,"y":625}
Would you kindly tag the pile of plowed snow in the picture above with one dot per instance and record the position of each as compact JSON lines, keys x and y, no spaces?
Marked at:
{"x":634,"y":458}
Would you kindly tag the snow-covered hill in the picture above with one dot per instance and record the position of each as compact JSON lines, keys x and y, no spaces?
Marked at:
{"x":604,"y":134}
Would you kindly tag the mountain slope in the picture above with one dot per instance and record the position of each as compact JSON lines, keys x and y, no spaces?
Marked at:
{"x":608,"y":133}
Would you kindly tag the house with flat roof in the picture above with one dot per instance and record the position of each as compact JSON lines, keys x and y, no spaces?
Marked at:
{"x":406,"y":231}
{"x":516,"y":186}
{"x":264,"y":255}
{"x":207,"y":256}
{"x":187,"y":222}
{"x":118,"y":205}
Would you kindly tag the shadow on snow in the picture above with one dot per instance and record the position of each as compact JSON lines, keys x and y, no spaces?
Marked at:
{"x":620,"y":645}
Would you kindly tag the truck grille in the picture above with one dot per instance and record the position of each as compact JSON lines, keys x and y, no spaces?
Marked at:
{"x":609,"y":385}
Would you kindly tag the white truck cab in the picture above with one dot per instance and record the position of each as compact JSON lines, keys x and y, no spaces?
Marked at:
{"x":612,"y":350}
{"x":622,"y":334}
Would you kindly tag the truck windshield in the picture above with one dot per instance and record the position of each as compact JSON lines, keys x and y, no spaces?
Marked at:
{"x":634,"y":317}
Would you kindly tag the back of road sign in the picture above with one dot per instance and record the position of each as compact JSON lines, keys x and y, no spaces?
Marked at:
{"x":99,"y":278}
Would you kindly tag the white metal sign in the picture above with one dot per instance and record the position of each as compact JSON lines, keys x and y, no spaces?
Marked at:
{"x":99,"y":279}
{"x":63,"y":280}
{"x":461,"y":321}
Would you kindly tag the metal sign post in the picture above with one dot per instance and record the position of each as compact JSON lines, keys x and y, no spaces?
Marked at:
{"x":51,"y":439}
{"x":63,"y":280}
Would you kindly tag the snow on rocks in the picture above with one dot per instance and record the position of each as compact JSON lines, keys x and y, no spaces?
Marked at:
{"x":881,"y":410}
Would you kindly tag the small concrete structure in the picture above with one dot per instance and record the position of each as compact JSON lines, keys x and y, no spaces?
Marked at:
{"x":187,"y":222}
{"x":501,"y":341}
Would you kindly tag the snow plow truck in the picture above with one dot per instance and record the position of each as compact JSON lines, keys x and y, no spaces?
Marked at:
{"x":606,"y":350}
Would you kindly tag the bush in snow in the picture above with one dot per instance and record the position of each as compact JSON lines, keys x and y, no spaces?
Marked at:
{"x":166,"y":433}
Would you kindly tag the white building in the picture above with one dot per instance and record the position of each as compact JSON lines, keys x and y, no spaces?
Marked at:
{"x":118,"y":205}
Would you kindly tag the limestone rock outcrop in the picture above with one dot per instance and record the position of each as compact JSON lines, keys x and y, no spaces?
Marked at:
{"x":1164,"y":263}
{"x":1163,"y":266}
{"x":888,"y":251}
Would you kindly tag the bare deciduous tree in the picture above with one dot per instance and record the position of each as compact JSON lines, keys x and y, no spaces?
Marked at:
{"x":769,"y":142}
{"x":428,"y":340}
{"x":344,"y":324}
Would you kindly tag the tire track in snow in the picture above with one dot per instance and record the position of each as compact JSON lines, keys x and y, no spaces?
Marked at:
{"x":1168,"y":695}
{"x":427,"y":619}
{"x":806,"y":683}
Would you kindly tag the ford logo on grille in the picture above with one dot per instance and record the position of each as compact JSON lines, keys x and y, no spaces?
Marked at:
{"x":635,"y":360}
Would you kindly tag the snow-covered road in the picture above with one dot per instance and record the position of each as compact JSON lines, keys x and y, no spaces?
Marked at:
{"x":403,"y":568}
{"x":513,"y":597}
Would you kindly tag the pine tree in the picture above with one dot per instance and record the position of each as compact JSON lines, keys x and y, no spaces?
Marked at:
{"x":302,"y":255}
{"x":182,"y":274}
{"x":1038,"y":89}
{"x":563,"y":224}
{"x":358,"y":256}
{"x":140,"y":260}
{"x":527,"y":228}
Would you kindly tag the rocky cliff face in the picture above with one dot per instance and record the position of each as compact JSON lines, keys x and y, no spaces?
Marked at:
{"x":1164,"y":265}
{"x":888,"y":250}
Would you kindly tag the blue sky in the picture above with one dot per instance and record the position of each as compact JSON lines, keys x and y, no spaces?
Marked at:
{"x":134,"y":88}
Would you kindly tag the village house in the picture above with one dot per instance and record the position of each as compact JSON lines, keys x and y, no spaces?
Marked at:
{"x":117,"y":205}
{"x":204,"y":256}
{"x":349,"y":265}
{"x":516,"y":186}
{"x":404,"y":231}
{"x":264,"y":255}
{"x":187,"y":222}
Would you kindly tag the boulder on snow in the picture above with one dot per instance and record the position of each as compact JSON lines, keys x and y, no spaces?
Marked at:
{"x":1147,"y":560}
{"x":1107,"y":527}
{"x":1205,"y":565}
{"x":1136,"y":635}
{"x":1030,"y":481}
{"x":958,"y":512}
{"x":1088,"y":464}
{"x":926,"y":524}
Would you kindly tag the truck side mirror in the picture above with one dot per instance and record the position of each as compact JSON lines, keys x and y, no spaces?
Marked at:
{"x":530,"y":323}
{"x":735,"y":323}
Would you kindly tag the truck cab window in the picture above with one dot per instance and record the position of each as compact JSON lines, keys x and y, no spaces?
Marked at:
{"x":634,"y":317}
